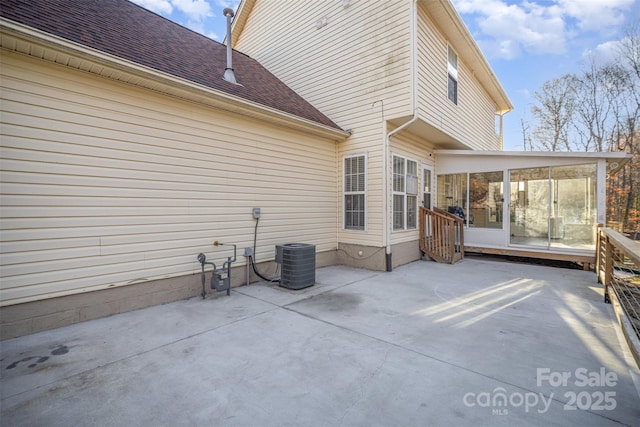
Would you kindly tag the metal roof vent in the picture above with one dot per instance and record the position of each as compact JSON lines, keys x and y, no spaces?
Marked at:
{"x":298,"y":262}
{"x":228,"y":72}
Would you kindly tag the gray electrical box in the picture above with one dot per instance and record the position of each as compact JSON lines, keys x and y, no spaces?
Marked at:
{"x":256,"y":213}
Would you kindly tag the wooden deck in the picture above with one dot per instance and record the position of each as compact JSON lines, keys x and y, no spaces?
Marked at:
{"x":442,"y":239}
{"x":587,"y":260}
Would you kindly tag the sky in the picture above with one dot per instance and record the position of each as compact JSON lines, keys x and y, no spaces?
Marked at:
{"x":525,"y":42}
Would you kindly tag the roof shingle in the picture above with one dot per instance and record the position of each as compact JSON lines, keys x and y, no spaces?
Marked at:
{"x":128,"y":31}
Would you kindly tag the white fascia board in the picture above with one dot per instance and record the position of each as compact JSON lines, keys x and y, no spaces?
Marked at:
{"x":550,"y":154}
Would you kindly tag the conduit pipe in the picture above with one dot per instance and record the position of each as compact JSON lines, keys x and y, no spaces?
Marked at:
{"x":228,"y":72}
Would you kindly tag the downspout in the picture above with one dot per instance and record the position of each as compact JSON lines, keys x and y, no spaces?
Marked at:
{"x":387,"y":139}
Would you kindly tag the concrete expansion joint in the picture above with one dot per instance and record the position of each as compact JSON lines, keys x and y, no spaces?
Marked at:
{"x":303,"y":297}
{"x":331,"y":290}
{"x":257,"y":298}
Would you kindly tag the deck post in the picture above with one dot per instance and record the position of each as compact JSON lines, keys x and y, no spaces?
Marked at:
{"x":599,"y":236}
{"x":608,"y":268}
{"x":452,"y":241}
{"x":423,"y":234}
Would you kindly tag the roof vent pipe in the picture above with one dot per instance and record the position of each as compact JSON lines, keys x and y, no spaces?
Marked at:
{"x":228,"y":72}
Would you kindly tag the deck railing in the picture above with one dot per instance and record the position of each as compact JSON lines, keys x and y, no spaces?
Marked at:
{"x":441,"y":235}
{"x":618,"y":269}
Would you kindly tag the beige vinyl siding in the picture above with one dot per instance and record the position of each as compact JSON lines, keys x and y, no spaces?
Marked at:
{"x":105,"y":184}
{"x":421,"y":151}
{"x":369,"y":143}
{"x":472,"y":120}
{"x":362,"y":55}
{"x":477,"y":113}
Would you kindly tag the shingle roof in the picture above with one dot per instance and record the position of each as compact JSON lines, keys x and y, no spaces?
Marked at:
{"x":128,"y":31}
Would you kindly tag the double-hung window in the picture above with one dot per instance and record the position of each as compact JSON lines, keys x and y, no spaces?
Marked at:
{"x":354,"y":192}
{"x":405,"y":193}
{"x":452,"y":75}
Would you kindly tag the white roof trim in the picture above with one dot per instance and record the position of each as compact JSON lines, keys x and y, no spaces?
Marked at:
{"x":560,"y":154}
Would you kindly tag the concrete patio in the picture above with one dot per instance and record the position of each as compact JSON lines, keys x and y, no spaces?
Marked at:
{"x":477,"y":343}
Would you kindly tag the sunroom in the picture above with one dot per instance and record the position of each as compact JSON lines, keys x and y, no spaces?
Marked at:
{"x":536,"y":204}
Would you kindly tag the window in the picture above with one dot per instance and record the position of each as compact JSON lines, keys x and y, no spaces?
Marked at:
{"x":405,"y":193}
{"x":553,"y":207}
{"x":486,"y":199}
{"x":354,"y":192}
{"x":398,"y":192}
{"x":427,"y":190}
{"x":452,"y":194}
{"x":412,"y":193}
{"x":475,"y":197}
{"x":452,"y":75}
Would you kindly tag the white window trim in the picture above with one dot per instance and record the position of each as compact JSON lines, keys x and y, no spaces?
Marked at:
{"x":404,"y":193}
{"x":365,"y":193}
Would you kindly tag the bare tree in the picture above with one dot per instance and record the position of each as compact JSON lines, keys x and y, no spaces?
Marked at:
{"x":630,"y":58}
{"x":526,"y":135}
{"x":626,"y":184}
{"x":554,"y":111}
{"x":599,"y":90}
{"x":630,"y":49}
{"x":598,"y":110}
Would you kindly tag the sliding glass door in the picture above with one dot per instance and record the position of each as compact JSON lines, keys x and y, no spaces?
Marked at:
{"x":553,"y":207}
{"x":573,"y":211}
{"x":529,"y":207}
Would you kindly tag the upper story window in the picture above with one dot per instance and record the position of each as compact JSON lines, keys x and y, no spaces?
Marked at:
{"x":452,"y":75}
{"x":355,"y":178}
